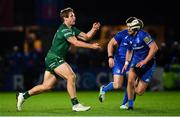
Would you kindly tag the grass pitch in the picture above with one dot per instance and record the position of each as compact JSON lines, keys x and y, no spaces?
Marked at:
{"x":58,"y":104}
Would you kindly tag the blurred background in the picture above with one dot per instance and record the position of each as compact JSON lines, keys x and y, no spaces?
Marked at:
{"x":27,"y":28}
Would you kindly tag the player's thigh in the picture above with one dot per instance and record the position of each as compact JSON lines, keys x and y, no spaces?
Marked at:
{"x":118,"y":79}
{"x":65,"y":71}
{"x":141,"y":88}
{"x":49,"y":79}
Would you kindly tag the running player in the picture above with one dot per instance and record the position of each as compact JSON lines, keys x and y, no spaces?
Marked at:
{"x":143,"y":63}
{"x":56,"y":66}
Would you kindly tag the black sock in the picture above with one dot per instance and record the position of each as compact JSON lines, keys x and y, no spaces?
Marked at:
{"x":26,"y":95}
{"x":74,"y":101}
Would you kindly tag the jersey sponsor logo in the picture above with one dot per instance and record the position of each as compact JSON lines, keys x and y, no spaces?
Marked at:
{"x":52,"y":64}
{"x":69,"y":33}
{"x":147,"y":40}
{"x":137,"y":48}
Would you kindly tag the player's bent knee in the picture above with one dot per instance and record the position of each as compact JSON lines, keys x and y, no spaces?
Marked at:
{"x":117,"y":86}
{"x":72,"y":78}
{"x":139,"y":92}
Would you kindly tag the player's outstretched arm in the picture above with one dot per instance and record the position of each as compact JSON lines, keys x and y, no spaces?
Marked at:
{"x":91,"y":33}
{"x":73,"y":40}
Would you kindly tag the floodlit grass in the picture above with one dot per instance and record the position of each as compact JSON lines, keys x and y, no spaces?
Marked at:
{"x":58,"y":104}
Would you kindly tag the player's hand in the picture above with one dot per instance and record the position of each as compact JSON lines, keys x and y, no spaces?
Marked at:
{"x":96,"y":46}
{"x":140,"y":64}
{"x":124,"y":68}
{"x":96,"y":26}
{"x":111,"y":62}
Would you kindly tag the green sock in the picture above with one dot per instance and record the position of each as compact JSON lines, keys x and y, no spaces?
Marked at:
{"x":74,"y":101}
{"x":26,"y":95}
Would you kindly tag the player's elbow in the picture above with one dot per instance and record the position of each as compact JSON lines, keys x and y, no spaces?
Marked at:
{"x":155,"y":47}
{"x":87,"y":37}
{"x":72,"y":40}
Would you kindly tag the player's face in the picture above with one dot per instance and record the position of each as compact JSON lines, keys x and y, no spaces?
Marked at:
{"x":131,"y":32}
{"x":71,"y":19}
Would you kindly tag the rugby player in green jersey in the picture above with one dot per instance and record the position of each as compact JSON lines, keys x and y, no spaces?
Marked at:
{"x":56,"y":66}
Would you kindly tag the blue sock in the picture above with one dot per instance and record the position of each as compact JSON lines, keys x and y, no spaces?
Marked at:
{"x":130,"y":103}
{"x":125,"y":100}
{"x":108,"y":87}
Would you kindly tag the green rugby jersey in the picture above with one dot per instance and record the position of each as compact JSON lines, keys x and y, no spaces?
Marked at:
{"x":60,"y":45}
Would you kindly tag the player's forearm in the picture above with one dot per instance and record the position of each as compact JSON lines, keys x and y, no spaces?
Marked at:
{"x":93,"y":30}
{"x":82,"y":44}
{"x":110,"y":50}
{"x":152,"y":52}
{"x":129,"y":55}
{"x":87,"y":36}
{"x":90,"y":34}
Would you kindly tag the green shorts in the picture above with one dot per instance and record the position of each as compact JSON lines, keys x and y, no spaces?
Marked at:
{"x":52,"y":61}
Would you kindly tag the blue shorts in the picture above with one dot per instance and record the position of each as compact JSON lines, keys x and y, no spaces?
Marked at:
{"x":146,"y":72}
{"x":118,"y":65}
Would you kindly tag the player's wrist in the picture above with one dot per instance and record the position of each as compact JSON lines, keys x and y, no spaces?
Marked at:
{"x":110,"y":57}
{"x":126,"y":62}
{"x":94,"y":29}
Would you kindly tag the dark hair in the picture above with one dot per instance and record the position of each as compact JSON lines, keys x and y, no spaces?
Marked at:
{"x":65,"y":13}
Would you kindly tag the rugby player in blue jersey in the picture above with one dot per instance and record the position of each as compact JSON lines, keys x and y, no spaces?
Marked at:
{"x":116,"y":60}
{"x":142,"y":63}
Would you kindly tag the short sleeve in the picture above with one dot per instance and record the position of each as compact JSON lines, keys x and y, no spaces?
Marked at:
{"x":77,"y":31}
{"x":118,"y":37}
{"x":148,"y":40}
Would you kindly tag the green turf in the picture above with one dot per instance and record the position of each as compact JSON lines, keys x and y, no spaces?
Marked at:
{"x":58,"y":104}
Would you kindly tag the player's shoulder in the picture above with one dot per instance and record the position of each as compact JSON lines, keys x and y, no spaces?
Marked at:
{"x":143,"y":32}
{"x":123,"y":32}
{"x":143,"y":35}
{"x":63,"y":28}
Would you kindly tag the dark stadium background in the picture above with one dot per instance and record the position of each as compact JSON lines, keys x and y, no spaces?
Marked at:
{"x":21,"y":21}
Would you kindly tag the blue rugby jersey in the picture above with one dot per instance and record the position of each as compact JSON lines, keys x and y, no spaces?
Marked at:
{"x":140,"y":46}
{"x":121,"y":39}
